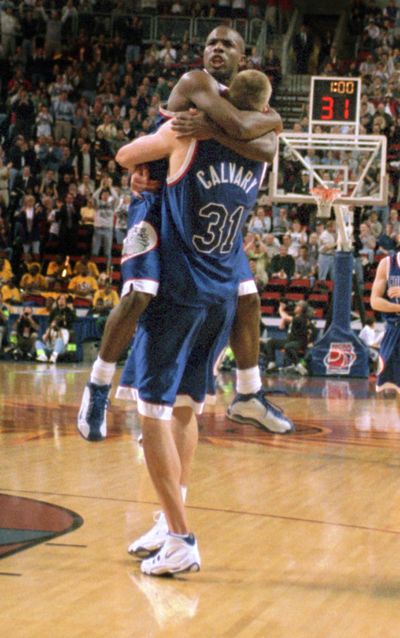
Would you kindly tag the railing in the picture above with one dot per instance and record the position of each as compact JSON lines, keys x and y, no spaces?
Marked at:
{"x":286,"y":59}
{"x":175,"y":27}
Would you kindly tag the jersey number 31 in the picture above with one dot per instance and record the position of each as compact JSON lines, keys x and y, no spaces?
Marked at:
{"x":221,"y":230}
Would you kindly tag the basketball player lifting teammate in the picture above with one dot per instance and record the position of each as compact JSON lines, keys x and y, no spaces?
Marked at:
{"x":223,"y":52}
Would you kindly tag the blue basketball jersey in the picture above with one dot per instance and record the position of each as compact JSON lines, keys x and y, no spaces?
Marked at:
{"x":393,"y":279}
{"x":389,"y":352}
{"x":204,"y":209}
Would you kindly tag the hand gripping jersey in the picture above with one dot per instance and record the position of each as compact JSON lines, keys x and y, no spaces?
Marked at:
{"x":204,"y":208}
{"x":389,"y":352}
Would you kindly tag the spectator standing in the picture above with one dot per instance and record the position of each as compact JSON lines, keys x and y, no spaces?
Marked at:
{"x":282,"y":265}
{"x":303,"y":45}
{"x":52,"y":43}
{"x":168,"y":53}
{"x":121,"y":218}
{"x":28,"y":225}
{"x":69,"y":19}
{"x":84,"y":162}
{"x":25,"y":183}
{"x":133,"y":34}
{"x":29,"y":29}
{"x":68,"y":218}
{"x":63,"y":114}
{"x":44,"y":122}
{"x":271,"y":65}
{"x":88,"y":213}
{"x":281,"y":223}
{"x":54,"y":224}
{"x":106,"y":199}
{"x":9,"y":27}
{"x":24,"y":114}
{"x":239,"y":9}
{"x":326,"y":249}
{"x":298,"y":236}
{"x":367,"y":242}
{"x":258,"y":254}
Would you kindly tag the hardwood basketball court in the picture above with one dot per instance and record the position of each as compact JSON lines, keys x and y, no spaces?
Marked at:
{"x":299,"y":534}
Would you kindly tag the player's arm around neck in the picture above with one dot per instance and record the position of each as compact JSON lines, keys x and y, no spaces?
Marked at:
{"x":148,"y":148}
{"x":262,"y":149}
{"x":202,"y":90}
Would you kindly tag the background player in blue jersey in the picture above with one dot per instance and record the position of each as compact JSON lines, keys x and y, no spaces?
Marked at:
{"x":385,"y":298}
{"x":223,"y":52}
{"x":210,"y":191}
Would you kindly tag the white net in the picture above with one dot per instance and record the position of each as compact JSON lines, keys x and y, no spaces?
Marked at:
{"x":324,"y":198}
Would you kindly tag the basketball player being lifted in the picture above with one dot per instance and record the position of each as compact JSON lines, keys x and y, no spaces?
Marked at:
{"x":210,"y":191}
{"x":246,"y":133}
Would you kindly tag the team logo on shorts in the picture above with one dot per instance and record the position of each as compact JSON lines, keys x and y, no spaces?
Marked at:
{"x":140,"y":239}
{"x":340,"y":358}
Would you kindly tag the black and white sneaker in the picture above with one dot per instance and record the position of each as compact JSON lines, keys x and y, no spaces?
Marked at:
{"x":255,"y":409}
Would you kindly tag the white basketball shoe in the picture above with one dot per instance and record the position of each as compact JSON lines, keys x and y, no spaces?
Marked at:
{"x":153,"y":540}
{"x":177,"y":556}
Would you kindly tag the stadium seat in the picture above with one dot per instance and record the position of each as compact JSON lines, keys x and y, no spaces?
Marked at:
{"x":318,"y":300}
{"x":295,"y":296}
{"x":268,"y":310}
{"x":270,"y":294}
{"x":323,"y":285}
{"x":300,"y":285}
{"x":277,"y":285}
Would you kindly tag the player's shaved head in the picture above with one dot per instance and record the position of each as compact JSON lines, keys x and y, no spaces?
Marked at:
{"x":223,"y":53}
{"x":226,"y":33}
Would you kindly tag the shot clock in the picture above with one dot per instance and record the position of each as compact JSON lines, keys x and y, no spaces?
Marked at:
{"x":335,"y":101}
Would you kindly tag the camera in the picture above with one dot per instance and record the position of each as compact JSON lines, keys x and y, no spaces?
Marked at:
{"x":289,"y":305}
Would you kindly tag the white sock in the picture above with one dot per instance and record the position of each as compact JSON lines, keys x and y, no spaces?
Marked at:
{"x":102,"y":372}
{"x":176,"y":535}
{"x":248,"y":381}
